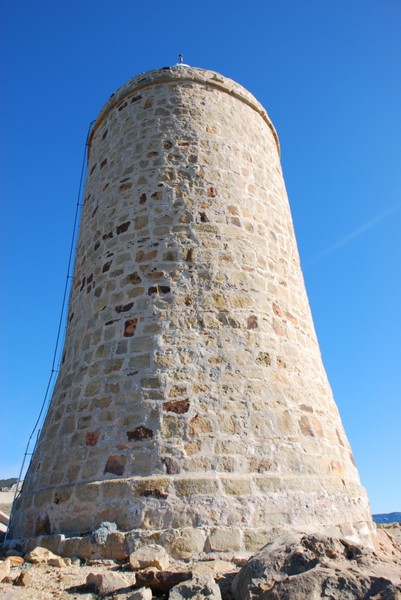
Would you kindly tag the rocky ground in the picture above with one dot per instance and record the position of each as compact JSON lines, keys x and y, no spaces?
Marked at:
{"x":293,"y":567}
{"x":73,"y":580}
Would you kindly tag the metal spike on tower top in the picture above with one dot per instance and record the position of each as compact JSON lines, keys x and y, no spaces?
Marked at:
{"x":181,"y":61}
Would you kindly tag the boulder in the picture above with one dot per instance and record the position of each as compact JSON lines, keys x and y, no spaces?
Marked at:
{"x":161,"y":581}
{"x":296,"y":566}
{"x":141,"y":594}
{"x":58,"y":562}
{"x":196,"y":589}
{"x":16,"y":561}
{"x":24,"y":579}
{"x":106,"y":583}
{"x":5,"y":567}
{"x":40,"y":555}
{"x":149,"y":556}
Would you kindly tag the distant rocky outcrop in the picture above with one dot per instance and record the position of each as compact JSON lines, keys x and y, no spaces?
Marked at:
{"x":7,"y":484}
{"x":394,"y":517}
{"x":7,"y":492}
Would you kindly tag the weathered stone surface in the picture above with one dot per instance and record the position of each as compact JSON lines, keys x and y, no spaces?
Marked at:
{"x":199,"y":587}
{"x":297,"y":567}
{"x":107,"y":582}
{"x":152,"y":555}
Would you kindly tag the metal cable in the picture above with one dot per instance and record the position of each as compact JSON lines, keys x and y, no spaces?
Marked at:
{"x":69,"y":278}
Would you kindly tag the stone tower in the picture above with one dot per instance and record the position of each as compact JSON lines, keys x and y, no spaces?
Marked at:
{"x":192,"y":406}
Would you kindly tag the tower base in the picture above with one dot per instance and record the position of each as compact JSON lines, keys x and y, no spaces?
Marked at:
{"x":181,"y":512}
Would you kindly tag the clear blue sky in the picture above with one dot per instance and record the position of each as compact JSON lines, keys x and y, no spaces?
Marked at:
{"x":328,"y":74}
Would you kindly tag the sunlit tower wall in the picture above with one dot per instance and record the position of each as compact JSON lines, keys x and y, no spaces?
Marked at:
{"x":192,"y":407}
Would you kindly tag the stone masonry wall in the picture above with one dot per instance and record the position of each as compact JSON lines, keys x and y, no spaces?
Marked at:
{"x":192,"y":403}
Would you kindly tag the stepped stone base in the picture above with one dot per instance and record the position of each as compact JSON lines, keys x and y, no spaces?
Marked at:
{"x":183,"y":544}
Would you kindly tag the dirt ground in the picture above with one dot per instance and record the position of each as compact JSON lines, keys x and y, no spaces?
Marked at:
{"x":69,"y":583}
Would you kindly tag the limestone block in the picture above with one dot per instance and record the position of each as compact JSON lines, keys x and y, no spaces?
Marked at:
{"x":187,"y":542}
{"x":87,"y":492}
{"x":195,"y":486}
{"x":81,"y":547}
{"x":149,"y":556}
{"x":151,"y":486}
{"x":42,"y":498}
{"x":255,"y":539}
{"x":267,"y":483}
{"x":237,"y":486}
{"x":213,"y":568}
{"x":224,"y":539}
{"x":116,"y":546}
{"x":114,"y":488}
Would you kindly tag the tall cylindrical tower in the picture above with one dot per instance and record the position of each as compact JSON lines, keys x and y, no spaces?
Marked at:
{"x":192,"y":406}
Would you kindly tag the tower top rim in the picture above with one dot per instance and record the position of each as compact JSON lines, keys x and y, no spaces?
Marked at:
{"x":184,"y":74}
